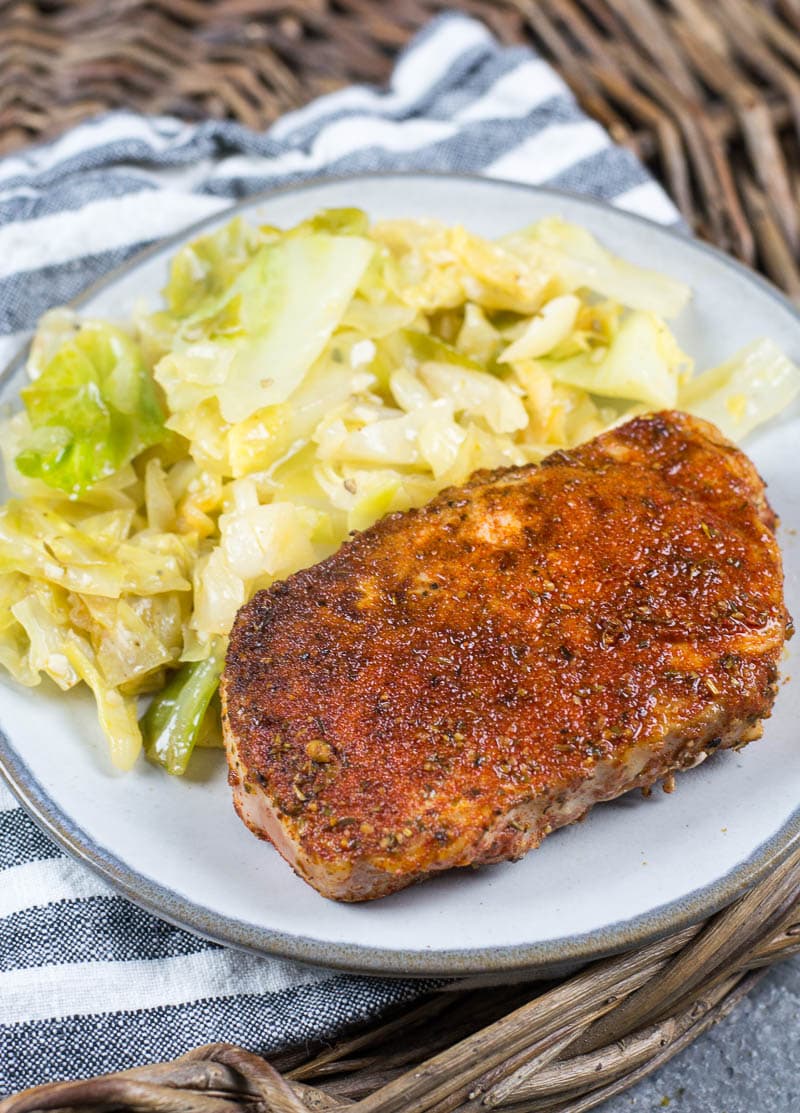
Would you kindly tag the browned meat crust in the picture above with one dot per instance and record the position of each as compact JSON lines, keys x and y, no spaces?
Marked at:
{"x":459,"y":680}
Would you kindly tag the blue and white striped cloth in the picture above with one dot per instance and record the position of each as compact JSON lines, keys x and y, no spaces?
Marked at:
{"x":88,"y":982}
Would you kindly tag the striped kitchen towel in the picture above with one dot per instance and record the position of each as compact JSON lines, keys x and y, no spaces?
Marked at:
{"x":88,"y":982}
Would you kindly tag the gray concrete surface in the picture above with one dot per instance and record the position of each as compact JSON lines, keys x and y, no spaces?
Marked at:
{"x":749,"y":1063}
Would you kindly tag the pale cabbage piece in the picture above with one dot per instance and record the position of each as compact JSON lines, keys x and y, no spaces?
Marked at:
{"x":183,"y":475}
{"x":14,"y":641}
{"x":198,"y":496}
{"x":203,"y":271}
{"x":158,"y":501}
{"x":155,"y":563}
{"x":412,"y":347}
{"x":366,"y":494}
{"x":209,"y":736}
{"x":19,"y":553}
{"x":756,"y":384}
{"x":426,"y":436}
{"x":258,"y":543}
{"x":541,"y":397}
{"x":340,"y":488}
{"x":561,"y":416}
{"x":551,"y":326}
{"x":155,"y":332}
{"x":495,"y":279}
{"x":389,"y":440}
{"x":117,"y":712}
{"x":408,"y":392}
{"x":196,"y":645}
{"x":269,"y":434}
{"x":419,"y":268}
{"x":206,"y":433}
{"x":477,"y":394}
{"x":240,"y":496}
{"x":47,"y":628}
{"x":575,"y":257}
{"x":165,"y":616}
{"x":439,"y":436}
{"x":379,"y":498}
{"x":438,"y":267}
{"x":538,"y":392}
{"x":342,"y":221}
{"x":643,"y":364}
{"x":194,"y":375}
{"x":108,"y":527}
{"x":35,"y":539}
{"x":378,"y":320}
{"x":329,"y":436}
{"x":291,"y":296}
{"x":269,"y":540}
{"x":477,"y":337}
{"x":596,"y":326}
{"x":218,"y":595}
{"x":295,"y":480}
{"x":481,"y":450}
{"x":578,"y":416}
{"x":127,"y":649}
{"x":14,"y":656}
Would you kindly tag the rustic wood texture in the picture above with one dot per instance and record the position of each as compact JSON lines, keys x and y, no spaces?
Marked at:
{"x":707,"y":92}
{"x":558,"y":1047}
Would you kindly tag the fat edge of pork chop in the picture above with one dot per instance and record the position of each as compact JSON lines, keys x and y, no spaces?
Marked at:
{"x":460,"y":680}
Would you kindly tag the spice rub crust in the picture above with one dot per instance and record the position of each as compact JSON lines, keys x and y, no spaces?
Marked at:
{"x":459,"y":680}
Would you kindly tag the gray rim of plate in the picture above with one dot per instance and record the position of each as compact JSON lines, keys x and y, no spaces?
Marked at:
{"x":527,"y":958}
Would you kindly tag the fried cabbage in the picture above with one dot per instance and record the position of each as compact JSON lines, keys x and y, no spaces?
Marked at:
{"x":752,"y":387}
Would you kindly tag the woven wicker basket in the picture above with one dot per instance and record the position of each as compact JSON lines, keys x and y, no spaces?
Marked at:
{"x":708,"y":93}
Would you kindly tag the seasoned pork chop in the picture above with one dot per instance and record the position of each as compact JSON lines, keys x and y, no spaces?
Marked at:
{"x":458,"y":681}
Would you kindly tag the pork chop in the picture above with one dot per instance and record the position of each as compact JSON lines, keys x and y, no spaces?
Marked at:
{"x":458,"y":681}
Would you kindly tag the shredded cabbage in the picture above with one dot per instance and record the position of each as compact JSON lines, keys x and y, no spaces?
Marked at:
{"x":578,"y":262}
{"x":642,"y":363}
{"x":251,"y":347}
{"x":752,"y":387}
{"x":294,"y":386}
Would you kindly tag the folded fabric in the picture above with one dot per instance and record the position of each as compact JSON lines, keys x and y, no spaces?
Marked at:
{"x":89,"y":982}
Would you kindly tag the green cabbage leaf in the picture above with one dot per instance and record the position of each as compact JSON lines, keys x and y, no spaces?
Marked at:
{"x":253,"y":346}
{"x":93,"y":408}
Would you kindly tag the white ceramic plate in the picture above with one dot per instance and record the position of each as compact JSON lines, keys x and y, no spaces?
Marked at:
{"x":635,"y":869}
